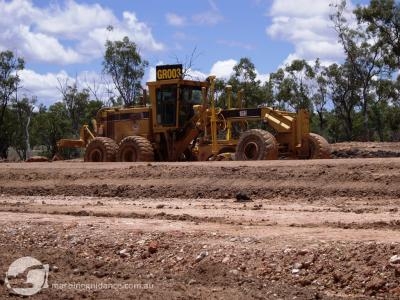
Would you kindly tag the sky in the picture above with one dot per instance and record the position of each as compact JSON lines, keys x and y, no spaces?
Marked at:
{"x":63,"y":41}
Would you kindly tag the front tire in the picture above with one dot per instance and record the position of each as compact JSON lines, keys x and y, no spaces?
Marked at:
{"x":135,"y":148}
{"x":256,"y":144}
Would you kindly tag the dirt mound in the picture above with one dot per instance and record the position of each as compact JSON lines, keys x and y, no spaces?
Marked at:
{"x":37,"y":159}
{"x":365,"y":150}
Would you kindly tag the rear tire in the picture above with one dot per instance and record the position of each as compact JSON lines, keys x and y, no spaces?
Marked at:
{"x":319,"y":147}
{"x":256,"y":144}
{"x":101,"y":149}
{"x":135,"y":148}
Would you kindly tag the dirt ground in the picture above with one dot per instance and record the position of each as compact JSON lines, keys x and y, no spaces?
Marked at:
{"x":287,"y":229}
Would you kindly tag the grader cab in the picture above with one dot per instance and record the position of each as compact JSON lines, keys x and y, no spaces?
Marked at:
{"x":182,"y":122}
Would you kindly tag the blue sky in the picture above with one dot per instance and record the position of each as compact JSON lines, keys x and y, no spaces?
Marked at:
{"x":63,"y":40}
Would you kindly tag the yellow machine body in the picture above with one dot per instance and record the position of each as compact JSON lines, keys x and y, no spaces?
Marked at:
{"x":179,"y":121}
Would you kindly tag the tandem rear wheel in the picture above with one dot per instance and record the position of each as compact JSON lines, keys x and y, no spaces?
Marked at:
{"x":135,"y":148}
{"x":101,"y":149}
{"x":256,"y":144}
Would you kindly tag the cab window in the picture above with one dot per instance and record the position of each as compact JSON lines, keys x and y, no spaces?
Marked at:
{"x":166,"y":105}
{"x":189,"y":96}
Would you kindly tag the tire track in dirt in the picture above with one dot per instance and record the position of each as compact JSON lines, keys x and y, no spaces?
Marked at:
{"x":255,"y":213}
{"x":312,"y":229}
{"x":305,"y":179}
{"x":258,"y":190}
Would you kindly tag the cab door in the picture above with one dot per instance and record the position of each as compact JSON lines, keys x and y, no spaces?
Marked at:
{"x":166,"y":106}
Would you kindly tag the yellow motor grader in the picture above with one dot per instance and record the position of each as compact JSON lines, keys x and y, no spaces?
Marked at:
{"x":181,"y":122}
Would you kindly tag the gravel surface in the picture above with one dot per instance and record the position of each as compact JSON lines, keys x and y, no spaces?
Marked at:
{"x":288,"y":229}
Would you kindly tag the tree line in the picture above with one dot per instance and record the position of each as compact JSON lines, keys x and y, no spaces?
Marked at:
{"x":357,"y":99}
{"x":24,"y":123}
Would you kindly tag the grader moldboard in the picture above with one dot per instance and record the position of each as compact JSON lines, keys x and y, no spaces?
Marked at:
{"x":182,"y":123}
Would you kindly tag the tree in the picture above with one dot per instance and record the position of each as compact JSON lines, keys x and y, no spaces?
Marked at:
{"x":366,"y":54}
{"x":342,"y":86}
{"x":48,"y":126}
{"x":20,"y":137}
{"x":268,"y":91}
{"x":291,"y":85}
{"x":75,"y":101}
{"x":276,"y":88}
{"x":319,"y":90}
{"x":126,"y":67}
{"x":188,"y":63}
{"x":382,"y":18}
{"x":299,"y":75}
{"x":9,"y":83}
{"x":386,"y":95}
{"x":244,"y":78}
{"x":91,"y":109}
{"x":220,"y":93}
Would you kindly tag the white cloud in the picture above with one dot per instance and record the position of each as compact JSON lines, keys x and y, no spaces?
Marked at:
{"x":73,"y":19}
{"x":72,"y":33}
{"x":21,"y":11}
{"x":152,"y":72}
{"x":223,"y":69}
{"x":213,"y":5}
{"x":140,"y":32}
{"x":46,"y":48}
{"x":196,"y":75}
{"x":210,"y":18}
{"x":306,"y":24}
{"x":44,"y":86}
{"x":175,"y":20}
{"x":299,"y":8}
{"x":262,"y":77}
{"x":291,"y":57}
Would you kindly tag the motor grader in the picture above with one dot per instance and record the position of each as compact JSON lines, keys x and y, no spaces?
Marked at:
{"x":179,"y":120}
